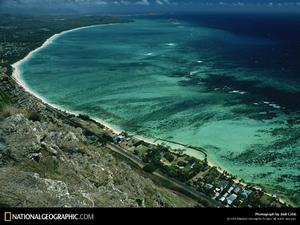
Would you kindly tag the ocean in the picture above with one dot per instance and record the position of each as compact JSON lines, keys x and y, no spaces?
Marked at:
{"x":229,"y":83}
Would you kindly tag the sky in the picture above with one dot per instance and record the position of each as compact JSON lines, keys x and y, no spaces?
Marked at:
{"x":107,"y":6}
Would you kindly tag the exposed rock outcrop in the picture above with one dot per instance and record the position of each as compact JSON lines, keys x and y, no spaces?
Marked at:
{"x":43,"y":164}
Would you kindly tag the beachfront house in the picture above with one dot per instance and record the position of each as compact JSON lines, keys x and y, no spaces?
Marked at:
{"x":118,"y":138}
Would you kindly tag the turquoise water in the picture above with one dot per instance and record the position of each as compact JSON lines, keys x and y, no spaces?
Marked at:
{"x":173,"y":80}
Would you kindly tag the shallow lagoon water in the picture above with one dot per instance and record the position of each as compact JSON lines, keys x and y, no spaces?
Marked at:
{"x":177,"y":81}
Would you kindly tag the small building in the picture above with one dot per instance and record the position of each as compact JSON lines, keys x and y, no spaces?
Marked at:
{"x":138,"y":143}
{"x":208,"y":186}
{"x":222,"y":184}
{"x":191,"y":161}
{"x":223,"y":197}
{"x":230,"y":189}
{"x":245,"y":193}
{"x":216,"y":195}
{"x":231,"y":199}
{"x":237,"y":190}
{"x":118,"y":138}
{"x":128,"y":138}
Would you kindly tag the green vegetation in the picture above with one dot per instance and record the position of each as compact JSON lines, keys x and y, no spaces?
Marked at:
{"x":83,"y":117}
{"x":150,"y":168}
{"x":33,"y":116}
{"x":196,"y":173}
{"x":4,"y":99}
{"x":169,"y":156}
{"x":153,"y":156}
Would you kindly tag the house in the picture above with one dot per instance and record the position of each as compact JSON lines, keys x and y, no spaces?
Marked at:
{"x":237,"y":190}
{"x":230,"y":189}
{"x":222,"y":184}
{"x":216,"y":195}
{"x":231,"y":199}
{"x":128,"y":139}
{"x":223,"y":197}
{"x":191,"y":161}
{"x":118,"y":138}
{"x":245,"y":193}
{"x":208,"y":186}
{"x":138,"y":143}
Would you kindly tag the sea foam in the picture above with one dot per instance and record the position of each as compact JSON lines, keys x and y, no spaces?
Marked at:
{"x":170,"y":44}
{"x":238,"y":92}
{"x":273,"y":105}
{"x":194,"y":72}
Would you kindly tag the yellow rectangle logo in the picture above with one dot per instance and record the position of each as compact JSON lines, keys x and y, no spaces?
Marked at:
{"x":7,"y":217}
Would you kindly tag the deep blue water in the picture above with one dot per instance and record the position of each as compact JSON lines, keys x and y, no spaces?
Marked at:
{"x":276,"y":57}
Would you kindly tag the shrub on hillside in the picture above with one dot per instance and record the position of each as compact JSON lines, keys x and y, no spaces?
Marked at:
{"x":150,"y":168}
{"x":34,"y":116}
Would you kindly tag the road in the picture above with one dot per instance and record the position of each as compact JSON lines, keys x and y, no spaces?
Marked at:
{"x":175,"y":184}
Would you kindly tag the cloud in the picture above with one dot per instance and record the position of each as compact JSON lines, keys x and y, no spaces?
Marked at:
{"x":144,"y":5}
{"x":96,"y":2}
{"x":147,"y":2}
{"x":143,"y":2}
{"x":163,"y":2}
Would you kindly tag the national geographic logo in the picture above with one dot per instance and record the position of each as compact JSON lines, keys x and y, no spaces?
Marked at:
{"x":7,"y":217}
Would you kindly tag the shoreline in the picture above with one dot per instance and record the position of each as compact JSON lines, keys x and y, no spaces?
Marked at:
{"x":16,"y":75}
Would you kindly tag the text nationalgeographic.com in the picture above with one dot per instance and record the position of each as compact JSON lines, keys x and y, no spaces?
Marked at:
{"x":47,"y":216}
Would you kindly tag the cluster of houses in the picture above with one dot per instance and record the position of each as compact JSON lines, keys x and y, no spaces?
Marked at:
{"x":9,"y":49}
{"x":229,"y":194}
{"x":224,"y":190}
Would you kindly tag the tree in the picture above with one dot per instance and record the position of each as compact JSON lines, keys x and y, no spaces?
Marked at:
{"x":154,"y":156}
{"x":33,"y":116}
{"x":181,"y":163}
{"x":171,"y":171}
{"x":169,"y":156}
{"x":150,"y":168}
{"x":205,"y":162}
{"x":179,"y":151}
{"x":83,"y":117}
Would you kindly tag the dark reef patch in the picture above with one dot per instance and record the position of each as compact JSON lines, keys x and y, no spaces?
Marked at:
{"x":257,"y":91}
{"x":290,"y":100}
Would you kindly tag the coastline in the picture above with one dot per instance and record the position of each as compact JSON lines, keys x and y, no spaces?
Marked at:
{"x":16,"y":75}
